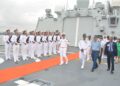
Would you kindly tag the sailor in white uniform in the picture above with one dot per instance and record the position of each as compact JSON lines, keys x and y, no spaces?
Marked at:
{"x":6,"y":39}
{"x":15,"y":43}
{"x":103,"y":42}
{"x":83,"y":46}
{"x":89,"y":48}
{"x":24,"y":45}
{"x":57,"y":40}
{"x":42,"y":43}
{"x":63,"y":45}
{"x":31,"y":46}
{"x":45,"y":44}
{"x":38,"y":44}
{"x":54,"y":44}
{"x":50,"y":43}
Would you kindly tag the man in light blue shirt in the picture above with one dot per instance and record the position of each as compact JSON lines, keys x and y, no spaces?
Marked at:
{"x":95,"y":48}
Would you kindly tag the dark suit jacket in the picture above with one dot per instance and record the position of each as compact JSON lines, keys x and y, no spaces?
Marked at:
{"x":114,"y":47}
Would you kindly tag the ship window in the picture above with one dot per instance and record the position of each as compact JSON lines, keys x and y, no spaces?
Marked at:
{"x":113,"y":21}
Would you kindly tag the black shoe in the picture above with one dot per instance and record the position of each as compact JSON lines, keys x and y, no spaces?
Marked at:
{"x":96,"y":67}
{"x":99,"y":62}
{"x":92,"y":70}
{"x":108,"y":69}
{"x":112,"y":72}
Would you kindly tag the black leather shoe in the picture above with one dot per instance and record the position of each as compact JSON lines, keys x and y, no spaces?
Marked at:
{"x":112,"y":72}
{"x":92,"y":70}
{"x":96,"y":67}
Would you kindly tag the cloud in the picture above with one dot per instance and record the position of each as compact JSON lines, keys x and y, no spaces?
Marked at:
{"x":24,"y":13}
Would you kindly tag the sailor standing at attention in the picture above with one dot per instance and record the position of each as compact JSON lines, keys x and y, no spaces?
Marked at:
{"x":24,"y":45}
{"x":57,"y":40}
{"x":31,"y":46}
{"x":89,"y":48}
{"x":38,"y":44}
{"x":15,"y":43}
{"x":63,"y":45}
{"x":6,"y":39}
{"x":42,"y":43}
{"x":54,"y":43}
{"x":50,"y":43}
{"x":45,"y":46}
{"x":83,"y":46}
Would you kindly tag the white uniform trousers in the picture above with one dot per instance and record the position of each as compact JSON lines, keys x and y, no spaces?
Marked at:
{"x":57,"y":46}
{"x":45,"y":47}
{"x":63,"y":53}
{"x":54,"y":48}
{"x":83,"y":56}
{"x":39,"y":49}
{"x":7,"y":51}
{"x":24,"y":51}
{"x":16,"y":52}
{"x":31,"y":50}
{"x":88,"y":54}
{"x":50,"y":44}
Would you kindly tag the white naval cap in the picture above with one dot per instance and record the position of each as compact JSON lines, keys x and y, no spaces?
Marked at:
{"x":63,"y":33}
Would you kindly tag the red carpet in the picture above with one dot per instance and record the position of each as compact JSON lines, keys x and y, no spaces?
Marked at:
{"x":20,"y":71}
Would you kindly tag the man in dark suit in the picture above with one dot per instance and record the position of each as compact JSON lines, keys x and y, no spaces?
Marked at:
{"x":110,"y":52}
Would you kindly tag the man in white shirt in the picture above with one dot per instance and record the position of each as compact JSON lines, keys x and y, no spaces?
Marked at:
{"x":31,"y":49}
{"x":38,"y":44}
{"x":50,"y":43}
{"x":6,"y":39}
{"x":83,"y":46}
{"x":54,"y":44}
{"x":57,"y":40}
{"x":15,"y":43}
{"x":63,"y":45}
{"x":24,"y":45}
{"x":45,"y":44}
{"x":89,"y":48}
{"x":103,"y":42}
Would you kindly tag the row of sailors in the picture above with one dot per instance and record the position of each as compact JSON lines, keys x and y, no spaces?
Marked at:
{"x":33,"y":45}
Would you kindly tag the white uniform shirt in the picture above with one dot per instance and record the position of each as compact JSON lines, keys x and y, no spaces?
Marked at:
{"x":83,"y":45}
{"x":44,"y":38}
{"x":23,"y":39}
{"x":54,"y":38}
{"x":38,"y":39}
{"x":14,"y":39}
{"x":89,"y":43}
{"x":31,"y":38}
{"x":103,"y":42}
{"x":63,"y":43}
{"x":115,"y":41}
{"x":58,"y":38}
{"x":6,"y":38}
{"x":50,"y":38}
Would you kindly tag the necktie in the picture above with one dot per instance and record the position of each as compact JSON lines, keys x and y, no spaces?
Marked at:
{"x":111,"y":47}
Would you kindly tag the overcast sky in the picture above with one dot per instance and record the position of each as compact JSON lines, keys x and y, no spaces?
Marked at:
{"x":24,"y":13}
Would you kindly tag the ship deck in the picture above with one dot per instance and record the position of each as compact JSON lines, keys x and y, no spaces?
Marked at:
{"x":65,"y":75}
